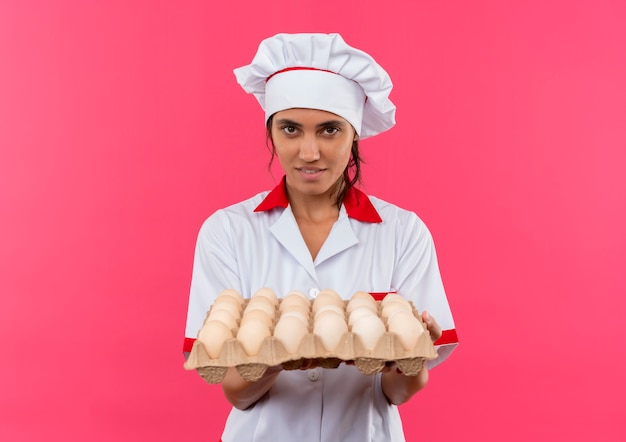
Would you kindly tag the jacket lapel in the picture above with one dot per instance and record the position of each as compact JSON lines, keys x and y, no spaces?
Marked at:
{"x":287,"y":233}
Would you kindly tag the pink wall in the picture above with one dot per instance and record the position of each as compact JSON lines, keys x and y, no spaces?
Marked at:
{"x":122,"y":129}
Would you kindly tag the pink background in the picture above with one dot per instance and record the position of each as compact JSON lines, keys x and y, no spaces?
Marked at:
{"x":122,"y":129}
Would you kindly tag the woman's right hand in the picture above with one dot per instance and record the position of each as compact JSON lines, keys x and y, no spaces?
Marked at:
{"x":243,"y":394}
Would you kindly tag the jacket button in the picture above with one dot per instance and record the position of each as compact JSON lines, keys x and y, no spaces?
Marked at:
{"x":313,"y":375}
{"x":314,"y":292}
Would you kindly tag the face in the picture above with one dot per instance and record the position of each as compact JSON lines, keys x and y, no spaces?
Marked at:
{"x":313,"y":148}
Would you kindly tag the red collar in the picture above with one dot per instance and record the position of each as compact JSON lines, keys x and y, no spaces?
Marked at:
{"x":357,"y":204}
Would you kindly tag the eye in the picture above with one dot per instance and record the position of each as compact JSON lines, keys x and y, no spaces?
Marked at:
{"x":289,"y":130}
{"x":330,"y":130}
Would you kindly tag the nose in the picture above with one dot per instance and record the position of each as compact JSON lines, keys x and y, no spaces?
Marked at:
{"x":309,"y":150}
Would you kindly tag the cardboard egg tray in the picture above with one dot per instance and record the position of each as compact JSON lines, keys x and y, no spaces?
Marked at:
{"x":350,"y":349}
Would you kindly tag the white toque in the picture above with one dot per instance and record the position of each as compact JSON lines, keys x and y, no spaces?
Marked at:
{"x":320,"y":71}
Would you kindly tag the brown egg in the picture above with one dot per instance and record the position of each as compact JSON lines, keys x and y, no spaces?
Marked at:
{"x":295,"y":308}
{"x":325,"y":297}
{"x":212,"y":336}
{"x":229,"y":306}
{"x":330,"y":327}
{"x":266,"y":293}
{"x":263,"y":304}
{"x":289,"y":331}
{"x":407,"y":328}
{"x":358,"y":313}
{"x":369,"y":329}
{"x":299,"y":294}
{"x":329,"y":312}
{"x":391,"y":297}
{"x":362,"y":302}
{"x":228,"y":300}
{"x":233,"y":294}
{"x":223,"y":316}
{"x":329,"y":307}
{"x":361,"y":294}
{"x":304,"y":318}
{"x":394,"y":306}
{"x":259,"y":315}
{"x":251,"y":334}
{"x":292,"y":300}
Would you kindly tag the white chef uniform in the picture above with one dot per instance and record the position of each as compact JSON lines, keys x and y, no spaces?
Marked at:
{"x":373,"y":246}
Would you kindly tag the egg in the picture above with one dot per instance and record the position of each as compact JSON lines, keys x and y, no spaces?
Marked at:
{"x":362,"y":302}
{"x":289,"y":331}
{"x":261,"y":304}
{"x":329,"y":312}
{"x":299,"y":294}
{"x":329,"y":307}
{"x":295,"y":314}
{"x":358,"y":313}
{"x":292,"y":300}
{"x":362,"y":294}
{"x":266,"y":293}
{"x":230,"y":307}
{"x":223,"y":316}
{"x":391,"y":297}
{"x":325,"y":297}
{"x":212,"y":336}
{"x":330,"y":327}
{"x":258,"y":315}
{"x":262,"y":299}
{"x":407,"y":328}
{"x":394,"y":306}
{"x":297,"y":308}
{"x":231,"y":294}
{"x":229,"y":300}
{"x":251,"y":334}
{"x":369,"y":329}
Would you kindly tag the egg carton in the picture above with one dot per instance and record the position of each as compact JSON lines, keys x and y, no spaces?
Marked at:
{"x":350,"y":349}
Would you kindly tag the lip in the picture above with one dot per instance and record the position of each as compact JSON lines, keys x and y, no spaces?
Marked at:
{"x":310,"y":173}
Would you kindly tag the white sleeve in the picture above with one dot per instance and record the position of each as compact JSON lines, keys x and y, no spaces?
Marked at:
{"x":417,"y":278}
{"x":214,"y":269}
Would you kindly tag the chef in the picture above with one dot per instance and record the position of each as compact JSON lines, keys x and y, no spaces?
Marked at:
{"x":317,"y":230}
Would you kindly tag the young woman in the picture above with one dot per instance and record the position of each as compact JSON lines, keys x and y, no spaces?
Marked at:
{"x":316,"y":230}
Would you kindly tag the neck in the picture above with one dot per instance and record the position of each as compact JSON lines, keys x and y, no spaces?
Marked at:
{"x":315,"y":207}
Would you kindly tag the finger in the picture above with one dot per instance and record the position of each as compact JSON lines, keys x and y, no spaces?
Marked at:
{"x":431,"y":324}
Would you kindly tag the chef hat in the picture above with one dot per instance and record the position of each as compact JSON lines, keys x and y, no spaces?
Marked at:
{"x":320,"y":71}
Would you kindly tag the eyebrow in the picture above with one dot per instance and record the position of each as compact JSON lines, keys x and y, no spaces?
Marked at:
{"x":333,"y":123}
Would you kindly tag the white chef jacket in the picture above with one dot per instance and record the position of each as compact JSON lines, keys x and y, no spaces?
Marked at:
{"x":373,"y":246}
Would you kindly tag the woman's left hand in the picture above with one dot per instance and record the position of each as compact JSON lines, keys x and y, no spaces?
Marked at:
{"x":399,"y":388}
{"x":432,"y":326}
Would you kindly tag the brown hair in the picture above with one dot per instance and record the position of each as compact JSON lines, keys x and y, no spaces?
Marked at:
{"x":351,"y":176}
